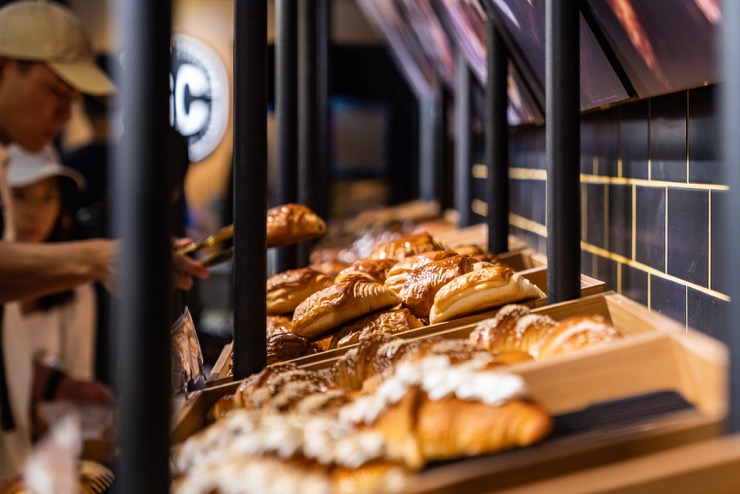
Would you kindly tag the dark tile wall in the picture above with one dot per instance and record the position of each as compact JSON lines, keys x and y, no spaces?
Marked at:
{"x":651,"y":193}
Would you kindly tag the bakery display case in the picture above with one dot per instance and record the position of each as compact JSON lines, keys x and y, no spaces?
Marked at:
{"x":664,"y":391}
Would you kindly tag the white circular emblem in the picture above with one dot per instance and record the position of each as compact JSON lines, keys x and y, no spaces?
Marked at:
{"x":199,"y":95}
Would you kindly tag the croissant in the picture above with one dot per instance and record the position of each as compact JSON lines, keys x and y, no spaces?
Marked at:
{"x":339,"y":303}
{"x":479,"y":290}
{"x":277,"y":325}
{"x":292,"y":223}
{"x":288,"y":289}
{"x":373,"y":269}
{"x":475,"y":251}
{"x":514,"y":328}
{"x":287,"y":346}
{"x":423,"y":283}
{"x":396,"y":276}
{"x":329,"y":267}
{"x":386,"y":322}
{"x":406,"y":246}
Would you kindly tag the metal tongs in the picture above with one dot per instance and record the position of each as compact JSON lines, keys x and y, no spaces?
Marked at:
{"x":219,"y":257}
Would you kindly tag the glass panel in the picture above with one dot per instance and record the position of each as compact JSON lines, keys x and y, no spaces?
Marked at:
{"x":467,"y":22}
{"x":664,"y":45}
{"x":421,"y":19}
{"x":406,"y":50}
{"x":525,"y":22}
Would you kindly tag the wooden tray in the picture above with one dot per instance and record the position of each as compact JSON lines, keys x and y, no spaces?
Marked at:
{"x":657,"y":355}
{"x":537,"y":275}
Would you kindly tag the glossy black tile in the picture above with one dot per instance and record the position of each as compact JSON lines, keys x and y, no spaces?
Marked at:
{"x":633,"y":146}
{"x":635,"y":284}
{"x":593,"y":195}
{"x":650,"y":203}
{"x":588,"y":264}
{"x":707,"y":314}
{"x":588,"y":144}
{"x":517,"y":198}
{"x":719,"y":280}
{"x":606,"y":142}
{"x":688,"y":235}
{"x":620,"y":220}
{"x":668,"y":297}
{"x":538,"y":191}
{"x":668,"y":137}
{"x":704,"y":164}
{"x":606,"y":271}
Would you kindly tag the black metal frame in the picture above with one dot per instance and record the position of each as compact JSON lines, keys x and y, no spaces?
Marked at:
{"x":463,"y":140}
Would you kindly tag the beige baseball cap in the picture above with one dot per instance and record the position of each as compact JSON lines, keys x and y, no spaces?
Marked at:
{"x":37,"y":30}
{"x":26,"y":168}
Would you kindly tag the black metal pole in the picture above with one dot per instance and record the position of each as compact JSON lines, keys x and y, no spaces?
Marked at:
{"x":463,"y":140}
{"x":497,"y":140}
{"x":307,"y":112}
{"x":250,"y":185}
{"x":562,"y":120}
{"x":140,"y":219}
{"x":729,"y":111}
{"x":323,"y":70}
{"x":286,"y":104}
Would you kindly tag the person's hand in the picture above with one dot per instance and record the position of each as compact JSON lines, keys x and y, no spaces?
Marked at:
{"x":103,"y":256}
{"x":184,"y":268}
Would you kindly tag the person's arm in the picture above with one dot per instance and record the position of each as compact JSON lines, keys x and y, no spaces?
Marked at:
{"x":31,"y":270}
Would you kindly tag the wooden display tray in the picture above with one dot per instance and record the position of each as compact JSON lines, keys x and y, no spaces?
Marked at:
{"x":538,"y":275}
{"x":657,"y":354}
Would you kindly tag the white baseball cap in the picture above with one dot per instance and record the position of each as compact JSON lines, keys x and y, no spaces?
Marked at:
{"x":26,"y":168}
{"x":40,"y":31}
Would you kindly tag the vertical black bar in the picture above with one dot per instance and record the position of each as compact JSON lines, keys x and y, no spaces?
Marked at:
{"x":729,"y":111}
{"x":323,"y":65}
{"x":286,"y":104}
{"x":562,"y":120}
{"x":463,"y":140}
{"x":441,"y":148}
{"x":250,"y":185}
{"x":307,"y":112}
{"x":497,"y":140}
{"x":141,"y":222}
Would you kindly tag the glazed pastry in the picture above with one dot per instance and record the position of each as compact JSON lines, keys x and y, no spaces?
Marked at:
{"x":398,"y":274}
{"x":514,"y":328}
{"x":339,"y":303}
{"x":288,"y":289}
{"x":423,"y":283}
{"x":277,"y":325}
{"x":292,"y":223}
{"x":372,"y":269}
{"x":385,"y":322}
{"x":330,"y":268}
{"x":480,"y":290}
{"x":287,"y":346}
{"x":475,"y":251}
{"x":433,"y":409}
{"x":406,"y":246}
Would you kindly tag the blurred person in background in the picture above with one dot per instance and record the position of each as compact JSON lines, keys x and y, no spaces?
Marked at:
{"x":56,"y":330}
{"x":46,"y":62}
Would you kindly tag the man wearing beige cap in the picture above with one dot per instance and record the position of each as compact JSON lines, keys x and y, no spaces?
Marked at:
{"x":46,"y":61}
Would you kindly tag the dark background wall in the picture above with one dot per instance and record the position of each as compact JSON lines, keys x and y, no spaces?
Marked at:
{"x":651,"y":195}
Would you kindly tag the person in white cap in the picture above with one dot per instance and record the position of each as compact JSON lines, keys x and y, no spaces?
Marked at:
{"x":46,"y":61}
{"x":57,"y":330}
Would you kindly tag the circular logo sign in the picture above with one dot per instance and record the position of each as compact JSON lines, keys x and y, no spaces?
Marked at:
{"x":199,"y":95}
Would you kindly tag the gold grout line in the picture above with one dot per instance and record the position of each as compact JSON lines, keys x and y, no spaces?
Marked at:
{"x":599,"y":179}
{"x":584,"y":211}
{"x":479,"y":171}
{"x":634,"y":222}
{"x":606,"y":216}
{"x":479,"y":207}
{"x":595,"y":164}
{"x":665,"y":233}
{"x":649,"y":293}
{"x":619,"y":143}
{"x":527,"y":174}
{"x":709,"y":242}
{"x":650,"y":270}
{"x":688,"y":143}
{"x":686,"y":309}
{"x":620,"y":266}
{"x":541,"y":230}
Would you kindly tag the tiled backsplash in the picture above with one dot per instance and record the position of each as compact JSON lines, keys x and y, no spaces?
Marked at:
{"x":651,"y":190}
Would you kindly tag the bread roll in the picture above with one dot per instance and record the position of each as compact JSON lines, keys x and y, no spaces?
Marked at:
{"x":277,"y":325}
{"x":287,"y":346}
{"x":406,"y":246}
{"x":292,"y":223}
{"x":423,"y":283}
{"x":480,"y":290}
{"x":385,"y":322}
{"x":339,"y":303}
{"x":288,"y":289}
{"x":372,"y":269}
{"x":329,"y":267}
{"x":397,"y":275}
